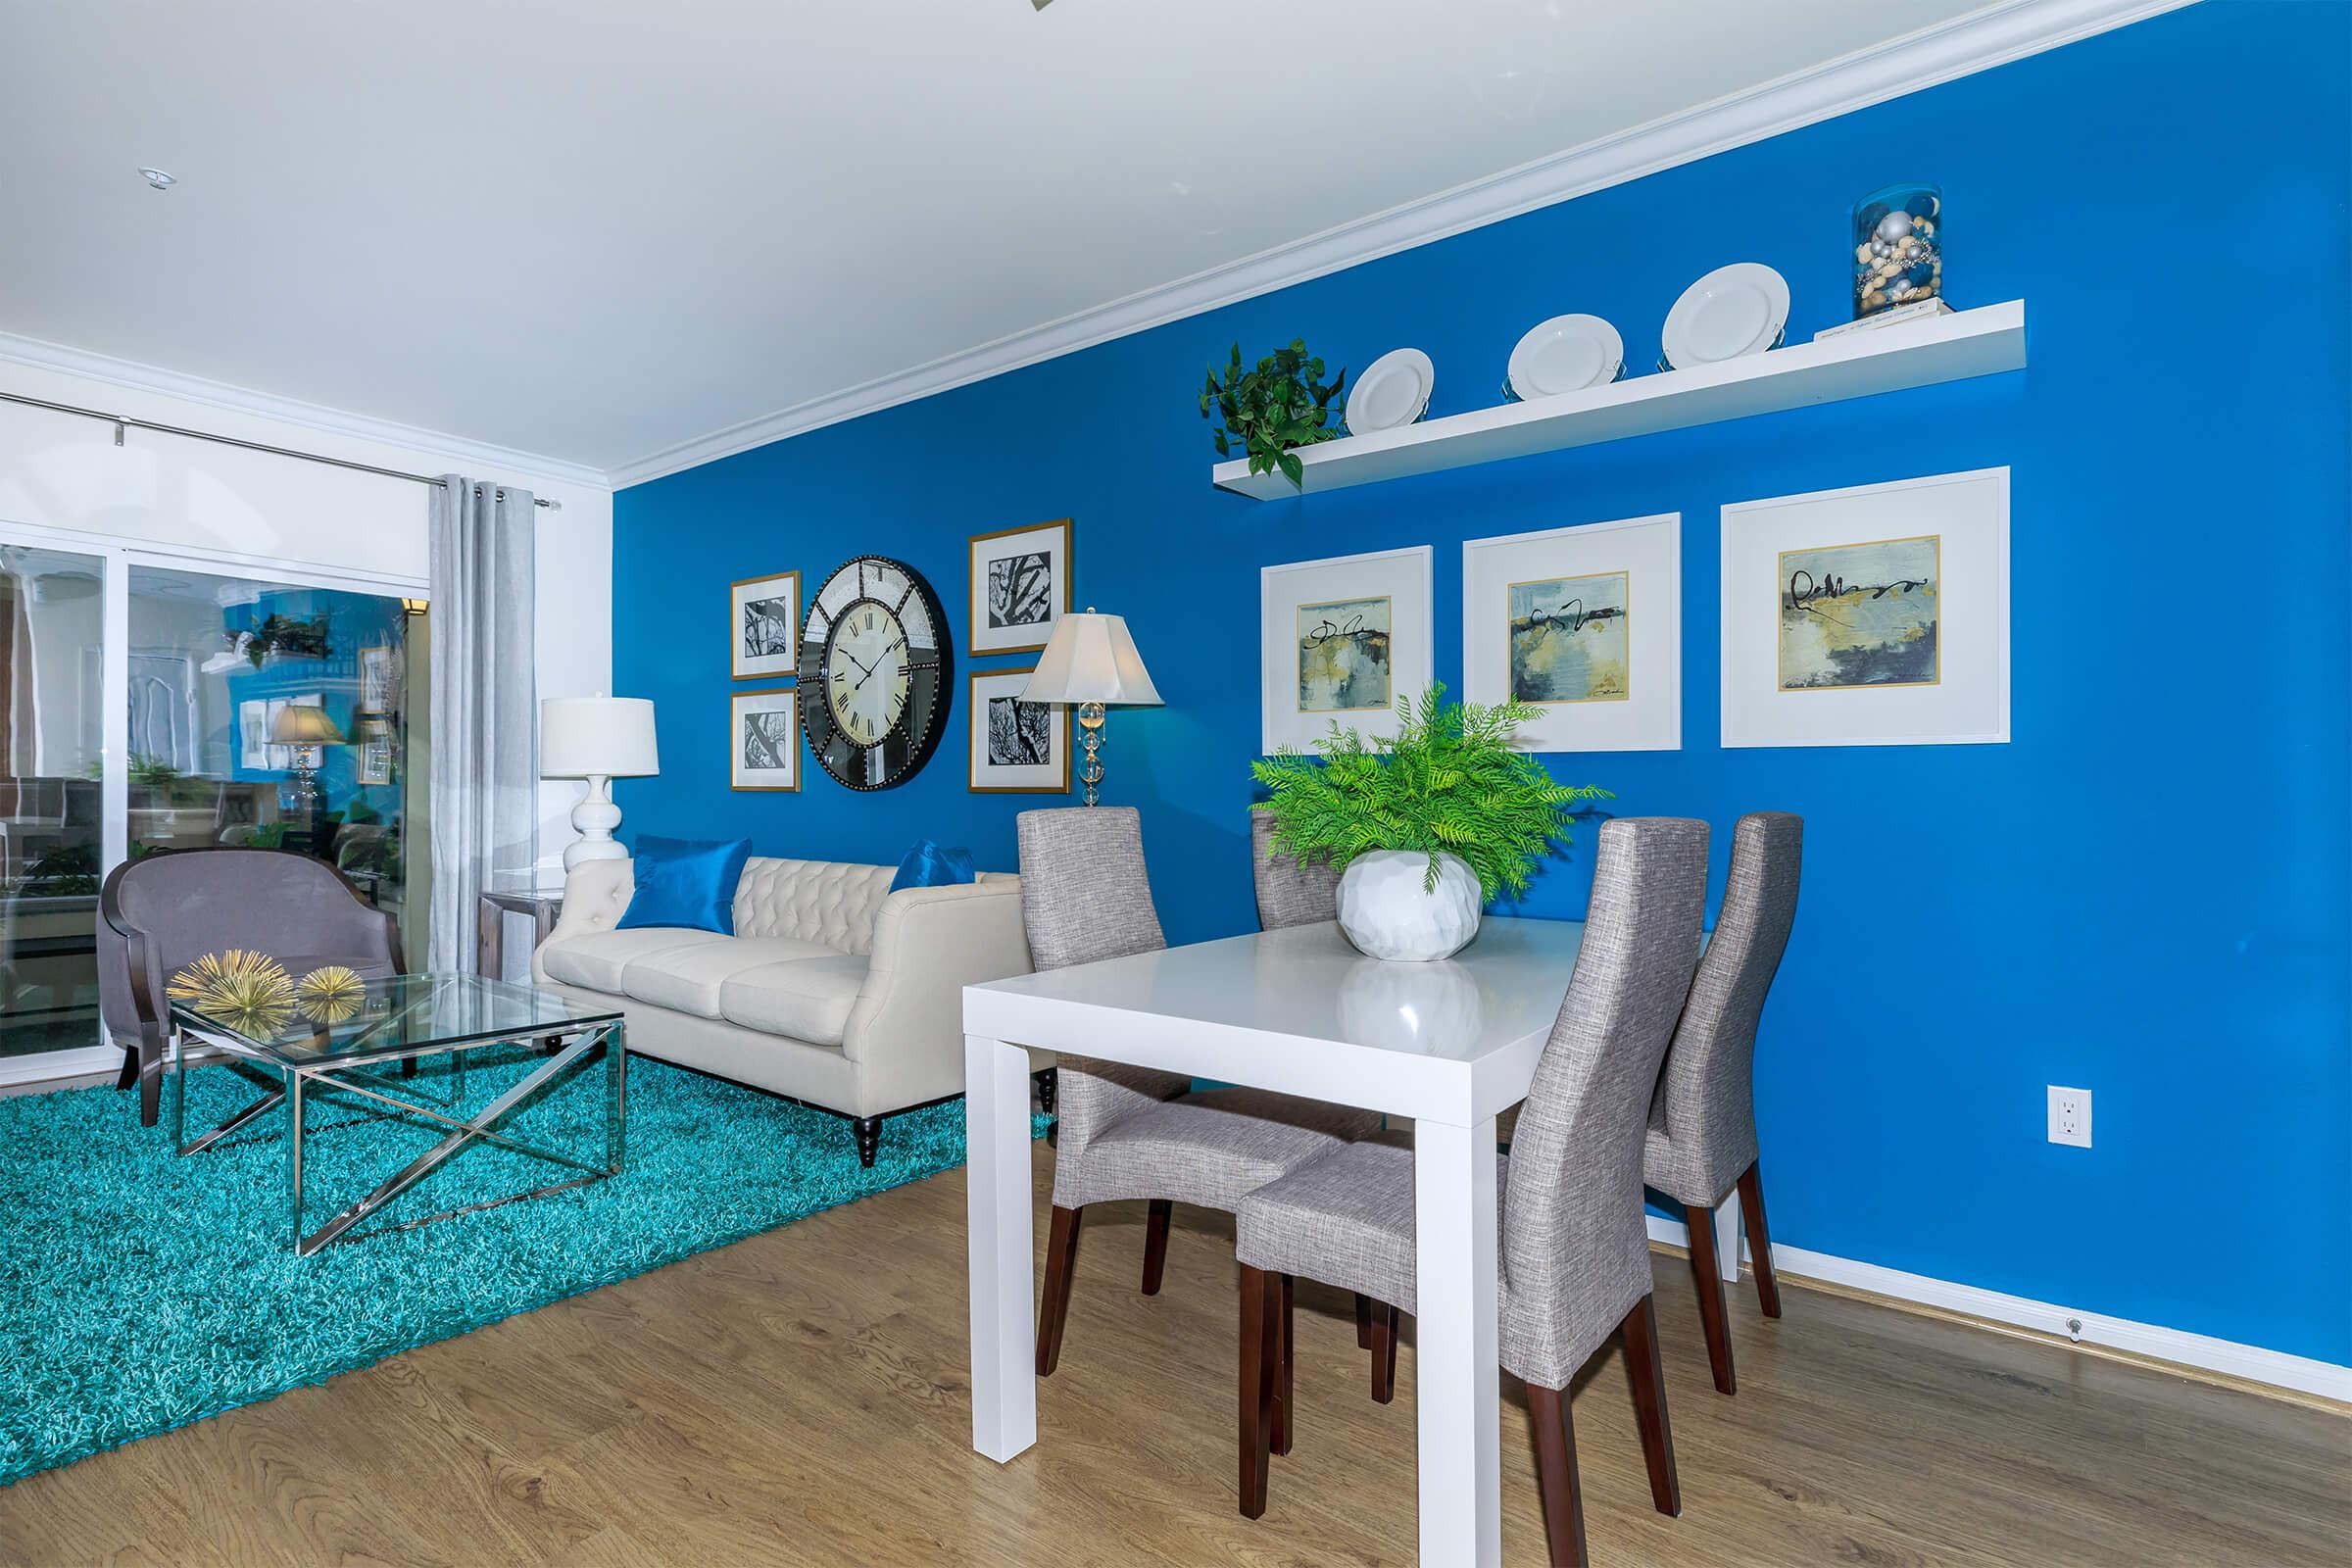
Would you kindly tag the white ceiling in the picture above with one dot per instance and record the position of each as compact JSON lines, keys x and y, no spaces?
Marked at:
{"x":597,"y":229}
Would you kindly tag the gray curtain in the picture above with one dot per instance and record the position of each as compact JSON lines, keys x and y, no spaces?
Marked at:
{"x":485,"y":723}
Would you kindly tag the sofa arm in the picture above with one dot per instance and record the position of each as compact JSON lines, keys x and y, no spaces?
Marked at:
{"x":596,"y":894}
{"x":906,"y":1029}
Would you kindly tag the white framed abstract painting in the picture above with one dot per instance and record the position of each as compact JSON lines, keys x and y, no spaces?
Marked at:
{"x":1585,"y":625}
{"x":1339,"y":641}
{"x":1877,"y":615}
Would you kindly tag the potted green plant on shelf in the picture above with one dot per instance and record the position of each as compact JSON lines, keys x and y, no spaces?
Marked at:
{"x":1425,"y":827}
{"x":1271,"y":410}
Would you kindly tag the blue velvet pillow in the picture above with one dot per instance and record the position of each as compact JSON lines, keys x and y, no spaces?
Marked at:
{"x":927,"y":865}
{"x":686,"y":882}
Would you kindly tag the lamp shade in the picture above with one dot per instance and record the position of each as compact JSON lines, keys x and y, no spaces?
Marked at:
{"x":304,"y":724}
{"x":1091,"y":659}
{"x":597,"y":737}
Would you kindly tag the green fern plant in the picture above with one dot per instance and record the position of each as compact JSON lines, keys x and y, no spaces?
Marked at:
{"x":1448,"y":782}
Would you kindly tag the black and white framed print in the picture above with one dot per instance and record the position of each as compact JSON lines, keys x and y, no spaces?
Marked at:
{"x":765,"y":734}
{"x":1583,"y":624}
{"x":1022,"y":585}
{"x":1872,"y":617}
{"x":766,"y":612}
{"x":1017,"y":748}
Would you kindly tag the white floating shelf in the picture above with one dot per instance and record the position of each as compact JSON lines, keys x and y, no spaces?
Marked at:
{"x":1984,"y":341}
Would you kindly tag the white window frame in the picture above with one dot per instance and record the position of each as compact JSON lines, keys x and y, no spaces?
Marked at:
{"x":118,"y":555}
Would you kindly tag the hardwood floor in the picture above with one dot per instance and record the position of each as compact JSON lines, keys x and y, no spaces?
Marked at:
{"x":800,"y":1399}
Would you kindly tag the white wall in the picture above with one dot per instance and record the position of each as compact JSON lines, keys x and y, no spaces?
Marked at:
{"x":58,"y":471}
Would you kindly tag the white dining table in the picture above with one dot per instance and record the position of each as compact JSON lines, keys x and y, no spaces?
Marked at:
{"x":1447,"y":1045}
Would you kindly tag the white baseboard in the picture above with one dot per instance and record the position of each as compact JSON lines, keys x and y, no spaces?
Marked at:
{"x":2228,"y":1358}
{"x":60,"y":1066}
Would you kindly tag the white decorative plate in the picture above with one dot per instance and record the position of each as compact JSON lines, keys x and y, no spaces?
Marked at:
{"x":1566,"y":354}
{"x":1393,"y":393}
{"x":1734,"y":311}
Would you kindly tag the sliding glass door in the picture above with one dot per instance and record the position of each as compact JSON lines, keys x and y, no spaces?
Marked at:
{"x":52,"y":837}
{"x":275,"y":716}
{"x":152,"y":703}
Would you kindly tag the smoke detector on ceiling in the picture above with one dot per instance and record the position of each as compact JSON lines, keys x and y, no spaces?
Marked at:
{"x":158,"y":178}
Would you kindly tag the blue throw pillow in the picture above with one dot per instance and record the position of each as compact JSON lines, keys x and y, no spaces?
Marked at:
{"x":686,"y":882}
{"x":927,"y":865}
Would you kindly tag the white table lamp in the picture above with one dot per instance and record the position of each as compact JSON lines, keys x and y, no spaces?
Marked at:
{"x":1091,"y":660}
{"x":598,"y":739}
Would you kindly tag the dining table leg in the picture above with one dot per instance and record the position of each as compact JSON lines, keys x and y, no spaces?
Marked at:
{"x":1456,"y":1373}
{"x":998,"y":1238}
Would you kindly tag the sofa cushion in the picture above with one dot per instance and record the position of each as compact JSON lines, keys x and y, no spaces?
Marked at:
{"x":595,"y":959}
{"x":688,"y":979}
{"x":685,"y":882}
{"x":808,"y":999}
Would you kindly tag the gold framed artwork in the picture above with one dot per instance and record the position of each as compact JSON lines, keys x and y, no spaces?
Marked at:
{"x":764,"y":733}
{"x":1017,"y":748}
{"x":765,"y":612}
{"x":1583,"y":624}
{"x":377,"y":677}
{"x":1022,"y":581}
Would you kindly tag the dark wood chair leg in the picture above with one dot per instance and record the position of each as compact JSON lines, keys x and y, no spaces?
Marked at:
{"x":1555,"y":1475}
{"x":1648,"y":1377}
{"x":151,"y":1082}
{"x":1260,"y":1302}
{"x":1759,"y":1239}
{"x":1048,"y":1084}
{"x":130,"y":1075}
{"x":1711,"y":1311}
{"x":408,"y":1066}
{"x":1061,"y":1260}
{"x":1155,"y":1244}
{"x":1363,"y":1322}
{"x":1383,"y":1352}
{"x":1285,"y":1407}
{"x":870,"y":1139}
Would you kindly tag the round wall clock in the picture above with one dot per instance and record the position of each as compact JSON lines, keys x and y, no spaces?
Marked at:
{"x":874,"y":672}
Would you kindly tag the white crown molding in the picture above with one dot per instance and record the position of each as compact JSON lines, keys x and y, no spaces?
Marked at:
{"x":2250,"y":1363}
{"x":477,"y":458}
{"x":1978,"y":41}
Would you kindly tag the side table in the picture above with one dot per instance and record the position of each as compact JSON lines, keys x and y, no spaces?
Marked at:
{"x":544,"y":908}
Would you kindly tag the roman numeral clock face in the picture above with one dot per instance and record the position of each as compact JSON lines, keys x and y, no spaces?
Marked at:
{"x":874,"y":675}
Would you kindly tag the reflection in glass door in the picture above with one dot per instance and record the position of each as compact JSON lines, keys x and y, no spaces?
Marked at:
{"x":52,"y":673}
{"x":280,"y":716}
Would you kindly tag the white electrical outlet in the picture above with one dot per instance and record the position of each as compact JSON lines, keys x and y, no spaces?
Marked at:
{"x":2070,"y":1116}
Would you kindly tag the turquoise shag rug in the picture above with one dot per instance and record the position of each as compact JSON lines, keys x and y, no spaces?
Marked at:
{"x":140,"y":1291}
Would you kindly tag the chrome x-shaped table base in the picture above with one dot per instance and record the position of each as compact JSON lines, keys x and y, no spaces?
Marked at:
{"x":301,"y":1084}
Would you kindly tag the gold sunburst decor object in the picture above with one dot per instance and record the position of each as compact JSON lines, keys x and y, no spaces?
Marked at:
{"x":330,"y":993}
{"x":244,"y":990}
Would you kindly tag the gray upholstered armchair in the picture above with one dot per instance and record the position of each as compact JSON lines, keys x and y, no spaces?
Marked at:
{"x":161,"y":912}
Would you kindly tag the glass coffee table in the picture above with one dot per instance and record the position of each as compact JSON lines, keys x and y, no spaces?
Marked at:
{"x":365,"y":1047}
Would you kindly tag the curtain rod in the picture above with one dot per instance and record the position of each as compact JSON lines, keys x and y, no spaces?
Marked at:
{"x":120,"y":421}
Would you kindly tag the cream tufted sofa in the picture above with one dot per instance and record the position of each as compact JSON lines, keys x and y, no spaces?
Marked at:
{"x":833,"y":988}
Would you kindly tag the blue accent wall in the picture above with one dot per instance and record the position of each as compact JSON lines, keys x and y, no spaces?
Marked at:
{"x":2144,"y":894}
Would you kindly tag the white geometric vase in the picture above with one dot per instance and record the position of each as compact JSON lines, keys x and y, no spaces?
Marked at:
{"x":1388,"y":913}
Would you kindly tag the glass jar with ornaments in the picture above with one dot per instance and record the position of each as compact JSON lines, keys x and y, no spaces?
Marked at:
{"x":1898,"y":248}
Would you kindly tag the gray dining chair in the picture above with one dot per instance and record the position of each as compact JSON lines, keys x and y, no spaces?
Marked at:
{"x":1293,"y":892}
{"x":1125,"y":1133}
{"x":1573,"y":1261}
{"x":1290,"y":891}
{"x":1702,"y":1120}
{"x":161,"y":912}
